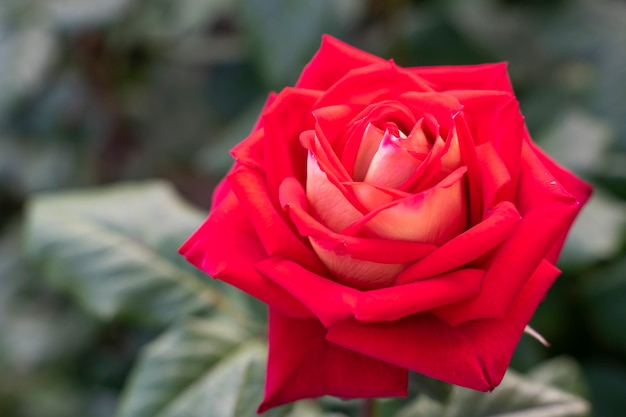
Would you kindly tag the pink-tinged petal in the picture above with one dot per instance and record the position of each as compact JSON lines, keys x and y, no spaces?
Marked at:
{"x":391,"y":165}
{"x":327,"y":202}
{"x":384,"y":81}
{"x":495,"y":176}
{"x":328,"y":300}
{"x":369,"y":145}
{"x":495,"y":117}
{"x":432,"y":216}
{"x":393,"y":303}
{"x":444,"y":158}
{"x":319,"y":75}
{"x":360,"y":143}
{"x":473,"y":355}
{"x":276,"y":236}
{"x":289,"y":115}
{"x":302,"y":364}
{"x":372,"y":196}
{"x":361,"y":274}
{"x":227,"y":247}
{"x":547,"y":210}
{"x":466,"y":247}
{"x":293,"y":199}
{"x":467,"y":77}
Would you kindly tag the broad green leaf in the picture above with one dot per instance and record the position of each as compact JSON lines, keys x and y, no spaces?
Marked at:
{"x":516,"y":396}
{"x":198,"y":369}
{"x":114,"y":249}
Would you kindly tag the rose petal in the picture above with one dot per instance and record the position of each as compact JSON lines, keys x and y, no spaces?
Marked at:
{"x":495,"y":117}
{"x":469,"y":158}
{"x":391,"y":165}
{"x":272,"y":230}
{"x":547,"y":211}
{"x":467,"y":77}
{"x":576,"y":187}
{"x":421,"y":343}
{"x":474,"y":354}
{"x":249,"y":152}
{"x":360,"y":143}
{"x":495,"y":176}
{"x":393,"y":303}
{"x":328,"y":300}
{"x":360,"y":274}
{"x":384,"y":81}
{"x":226,"y":247}
{"x":320,"y":76}
{"x":466,"y":247}
{"x":302,"y":364}
{"x":432,"y":216}
{"x":289,"y":115}
{"x":327,"y":202}
{"x":292,"y":197}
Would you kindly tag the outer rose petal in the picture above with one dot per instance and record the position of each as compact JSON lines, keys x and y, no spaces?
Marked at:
{"x":226,"y":247}
{"x":332,"y":302}
{"x":473,"y":355}
{"x":320,"y":76}
{"x":547,"y":210}
{"x":276,"y":235}
{"x":302,"y":364}
{"x":467,"y":77}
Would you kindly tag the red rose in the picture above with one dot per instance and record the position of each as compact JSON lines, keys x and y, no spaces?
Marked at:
{"x":393,"y":219}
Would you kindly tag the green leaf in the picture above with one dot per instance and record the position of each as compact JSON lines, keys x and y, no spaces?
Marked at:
{"x":114,"y":249}
{"x":197,"y":369}
{"x":516,"y":396}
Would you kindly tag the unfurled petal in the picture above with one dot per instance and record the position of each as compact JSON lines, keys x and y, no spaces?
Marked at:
{"x":226,"y":247}
{"x":393,"y":303}
{"x":467,"y":77}
{"x":303,"y":364}
{"x":327,"y":202}
{"x":432,"y":216}
{"x":319,"y":75}
{"x":473,"y":355}
{"x":467,"y":246}
{"x":547,"y":209}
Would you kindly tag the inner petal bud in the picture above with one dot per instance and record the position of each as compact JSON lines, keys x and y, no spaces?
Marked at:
{"x":393,"y":163}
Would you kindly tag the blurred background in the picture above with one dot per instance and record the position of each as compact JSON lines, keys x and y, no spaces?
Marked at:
{"x":94,"y":92}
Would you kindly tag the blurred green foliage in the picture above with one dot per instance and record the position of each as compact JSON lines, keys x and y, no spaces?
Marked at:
{"x":101,"y":91}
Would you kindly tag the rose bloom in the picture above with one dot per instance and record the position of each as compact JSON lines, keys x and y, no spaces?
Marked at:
{"x":392,"y":219}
